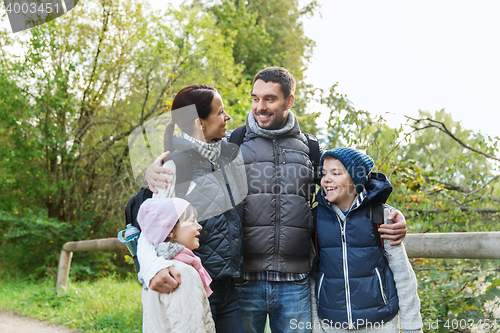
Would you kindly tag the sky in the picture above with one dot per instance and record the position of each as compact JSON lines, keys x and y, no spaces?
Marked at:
{"x":397,"y":57}
{"x":393,"y":57}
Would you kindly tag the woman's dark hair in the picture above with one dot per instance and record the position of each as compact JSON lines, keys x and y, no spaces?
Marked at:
{"x":199,"y":95}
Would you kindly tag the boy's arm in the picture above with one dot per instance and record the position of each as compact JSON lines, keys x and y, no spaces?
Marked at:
{"x":406,"y":285}
{"x":395,"y":231}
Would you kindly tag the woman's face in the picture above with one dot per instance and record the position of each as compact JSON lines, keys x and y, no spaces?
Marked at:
{"x":214,"y":126}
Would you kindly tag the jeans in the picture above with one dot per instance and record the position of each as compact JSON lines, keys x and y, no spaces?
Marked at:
{"x":224,"y":306}
{"x":286,"y":303}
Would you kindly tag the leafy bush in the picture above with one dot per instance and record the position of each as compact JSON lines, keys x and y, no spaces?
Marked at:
{"x":31,"y":245}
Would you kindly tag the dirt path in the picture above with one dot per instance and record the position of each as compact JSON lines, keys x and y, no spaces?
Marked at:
{"x":12,"y":323}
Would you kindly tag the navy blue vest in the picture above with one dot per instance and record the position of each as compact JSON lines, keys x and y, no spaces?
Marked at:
{"x":355,"y":284}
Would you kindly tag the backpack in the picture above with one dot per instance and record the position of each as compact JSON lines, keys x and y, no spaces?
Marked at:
{"x":312,"y":142}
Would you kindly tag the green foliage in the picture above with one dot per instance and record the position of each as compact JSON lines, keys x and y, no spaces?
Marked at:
{"x":347,"y":126}
{"x":442,"y":183}
{"x":265,"y":33}
{"x":268,"y":33}
{"x":23,"y":239}
{"x":31,"y":245}
{"x":83,"y":84}
{"x":116,"y":68}
{"x":106,"y":305}
{"x":453,"y":293}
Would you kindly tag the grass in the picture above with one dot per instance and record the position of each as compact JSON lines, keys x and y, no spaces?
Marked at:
{"x":106,"y":305}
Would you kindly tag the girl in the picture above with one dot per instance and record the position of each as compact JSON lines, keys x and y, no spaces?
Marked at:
{"x":217,"y":188}
{"x":170,"y":225}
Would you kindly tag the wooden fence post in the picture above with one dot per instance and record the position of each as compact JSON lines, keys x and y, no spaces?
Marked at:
{"x":81,"y":246}
{"x":63,"y":271}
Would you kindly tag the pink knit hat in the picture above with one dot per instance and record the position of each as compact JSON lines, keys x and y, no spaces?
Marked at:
{"x":158,"y":216}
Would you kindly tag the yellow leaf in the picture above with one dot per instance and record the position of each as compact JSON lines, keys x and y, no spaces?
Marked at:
{"x":420,"y":260}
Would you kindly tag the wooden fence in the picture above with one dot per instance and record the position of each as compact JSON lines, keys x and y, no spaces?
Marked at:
{"x":104,"y":244}
{"x":454,"y":245}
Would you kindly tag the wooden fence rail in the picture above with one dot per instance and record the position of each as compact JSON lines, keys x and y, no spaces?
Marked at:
{"x":104,"y":244}
{"x":454,"y":245}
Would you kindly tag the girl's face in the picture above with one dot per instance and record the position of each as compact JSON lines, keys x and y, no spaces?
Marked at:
{"x":214,"y":126}
{"x":186,"y":232}
{"x":337,"y":184}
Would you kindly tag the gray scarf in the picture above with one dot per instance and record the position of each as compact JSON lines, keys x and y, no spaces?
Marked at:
{"x":168,"y":250}
{"x":211,"y":151}
{"x":271,"y":134}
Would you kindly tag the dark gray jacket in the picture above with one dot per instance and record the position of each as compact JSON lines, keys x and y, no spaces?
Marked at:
{"x":216,"y":197}
{"x":277,"y":219}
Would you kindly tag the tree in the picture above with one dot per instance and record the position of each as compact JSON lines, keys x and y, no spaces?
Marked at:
{"x":269,"y":33}
{"x":445,"y":179}
{"x":86,"y":81}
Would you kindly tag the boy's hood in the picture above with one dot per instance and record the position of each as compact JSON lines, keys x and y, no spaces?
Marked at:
{"x":377,"y":188}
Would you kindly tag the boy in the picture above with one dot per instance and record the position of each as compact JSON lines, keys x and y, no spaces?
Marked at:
{"x":360,"y":285}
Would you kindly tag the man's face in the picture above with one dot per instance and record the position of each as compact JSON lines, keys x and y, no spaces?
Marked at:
{"x":269,"y":106}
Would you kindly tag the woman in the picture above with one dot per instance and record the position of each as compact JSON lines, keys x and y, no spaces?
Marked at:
{"x":215,"y":191}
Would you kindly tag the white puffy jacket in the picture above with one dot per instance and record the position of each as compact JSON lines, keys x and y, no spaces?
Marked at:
{"x":186,"y":310}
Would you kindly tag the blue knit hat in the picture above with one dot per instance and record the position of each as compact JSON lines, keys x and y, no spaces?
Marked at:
{"x":357,"y":164}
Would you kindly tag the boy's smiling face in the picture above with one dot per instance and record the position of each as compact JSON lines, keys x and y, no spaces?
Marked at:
{"x":337,"y":183}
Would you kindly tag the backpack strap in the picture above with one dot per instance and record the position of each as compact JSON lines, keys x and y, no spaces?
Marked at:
{"x":132,"y":208}
{"x":238,"y":134}
{"x":314,"y":155}
{"x":377,"y":218}
{"x":312,"y":142}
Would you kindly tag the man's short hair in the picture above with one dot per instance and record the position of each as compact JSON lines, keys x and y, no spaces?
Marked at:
{"x":277,"y":75}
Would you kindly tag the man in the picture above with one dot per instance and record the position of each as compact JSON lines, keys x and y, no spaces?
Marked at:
{"x":277,"y":221}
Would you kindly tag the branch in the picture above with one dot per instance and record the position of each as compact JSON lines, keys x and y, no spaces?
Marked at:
{"x":94,"y":67}
{"x":396,"y":146}
{"x":442,"y":127}
{"x":479,"y":189}
{"x":467,"y":192}
{"x":464,"y":209}
{"x":147,"y":95}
